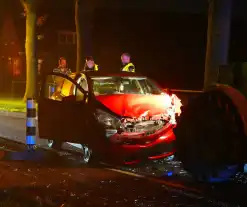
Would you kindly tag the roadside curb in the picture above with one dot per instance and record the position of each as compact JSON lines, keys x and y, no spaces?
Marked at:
{"x":13,"y":114}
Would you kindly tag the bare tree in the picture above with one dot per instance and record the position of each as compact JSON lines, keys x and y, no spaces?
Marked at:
{"x":84,"y":13}
{"x":30,"y":48}
{"x":78,"y":36}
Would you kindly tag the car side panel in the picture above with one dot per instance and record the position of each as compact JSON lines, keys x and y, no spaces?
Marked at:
{"x":49,"y":120}
{"x":75,"y":126}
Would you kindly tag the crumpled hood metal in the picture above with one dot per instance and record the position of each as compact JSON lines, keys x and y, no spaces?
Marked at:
{"x":135,"y":105}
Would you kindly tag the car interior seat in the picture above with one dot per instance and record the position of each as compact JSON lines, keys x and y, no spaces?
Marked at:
{"x":66,"y":88}
{"x":131,"y":87}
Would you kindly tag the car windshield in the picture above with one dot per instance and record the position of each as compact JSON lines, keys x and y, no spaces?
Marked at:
{"x":124,"y":85}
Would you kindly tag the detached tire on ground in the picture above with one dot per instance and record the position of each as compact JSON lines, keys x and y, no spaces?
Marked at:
{"x":211,"y":134}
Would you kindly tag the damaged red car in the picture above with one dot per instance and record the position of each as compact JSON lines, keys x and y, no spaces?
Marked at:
{"x":122,"y":118}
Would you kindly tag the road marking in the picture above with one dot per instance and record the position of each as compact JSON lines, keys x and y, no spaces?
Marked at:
{"x":177,"y":188}
{"x":156,"y":180}
{"x":126,"y":172}
{"x":153,"y":179}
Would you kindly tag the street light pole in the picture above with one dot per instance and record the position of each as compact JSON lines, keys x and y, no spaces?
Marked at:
{"x":219,"y":21}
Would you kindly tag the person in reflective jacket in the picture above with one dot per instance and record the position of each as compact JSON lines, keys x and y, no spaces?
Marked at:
{"x":127,"y":66}
{"x":90,"y":65}
{"x":62,"y":67}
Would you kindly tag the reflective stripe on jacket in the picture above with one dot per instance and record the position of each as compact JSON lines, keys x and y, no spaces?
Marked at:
{"x":96,"y":67}
{"x":129,"y":68}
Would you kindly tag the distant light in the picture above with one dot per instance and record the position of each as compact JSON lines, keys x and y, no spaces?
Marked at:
{"x":245,"y":168}
{"x":169,"y":174}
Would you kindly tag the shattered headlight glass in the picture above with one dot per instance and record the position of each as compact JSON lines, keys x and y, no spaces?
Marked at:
{"x":109,"y":121}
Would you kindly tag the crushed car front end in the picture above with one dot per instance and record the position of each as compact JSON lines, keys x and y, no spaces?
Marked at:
{"x":136,"y":140}
{"x":138,"y":125}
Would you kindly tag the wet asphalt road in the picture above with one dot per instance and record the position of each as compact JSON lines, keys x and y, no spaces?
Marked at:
{"x":55,"y":179}
{"x":59,"y":179}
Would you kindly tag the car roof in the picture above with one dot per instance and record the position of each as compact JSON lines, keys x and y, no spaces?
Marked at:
{"x":107,"y":74}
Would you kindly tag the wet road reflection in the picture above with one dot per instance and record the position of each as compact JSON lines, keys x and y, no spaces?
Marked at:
{"x":53,"y":186}
{"x":58,"y":179}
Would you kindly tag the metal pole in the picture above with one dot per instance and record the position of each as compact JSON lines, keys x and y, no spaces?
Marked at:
{"x":219,"y":20}
{"x":31,"y":123}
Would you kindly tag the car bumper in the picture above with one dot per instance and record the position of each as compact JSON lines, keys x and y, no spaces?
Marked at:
{"x":159,"y":151}
{"x":161,"y":146}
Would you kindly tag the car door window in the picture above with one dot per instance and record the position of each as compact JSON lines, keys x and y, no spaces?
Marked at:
{"x":149,"y":87}
{"x":60,"y":88}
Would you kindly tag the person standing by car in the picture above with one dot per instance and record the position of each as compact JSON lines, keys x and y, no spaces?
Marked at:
{"x":127,"y":65}
{"x":90,"y":65}
{"x":62,"y":67}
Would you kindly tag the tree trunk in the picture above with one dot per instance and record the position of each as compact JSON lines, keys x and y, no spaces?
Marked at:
{"x":78,"y":36}
{"x":30,"y":48}
{"x":219,"y":20}
{"x":87,"y":11}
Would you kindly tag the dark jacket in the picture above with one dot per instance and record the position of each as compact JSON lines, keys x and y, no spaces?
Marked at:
{"x":95,"y":68}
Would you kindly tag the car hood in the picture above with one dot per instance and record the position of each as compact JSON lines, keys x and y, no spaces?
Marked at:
{"x":135,"y":105}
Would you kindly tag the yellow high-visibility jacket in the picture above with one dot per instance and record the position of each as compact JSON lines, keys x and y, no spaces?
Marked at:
{"x":129,"y":68}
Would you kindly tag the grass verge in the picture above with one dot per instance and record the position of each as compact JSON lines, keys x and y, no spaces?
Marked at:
{"x":12,"y":105}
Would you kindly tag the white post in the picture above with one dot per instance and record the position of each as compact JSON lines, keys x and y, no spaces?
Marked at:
{"x":31,"y":123}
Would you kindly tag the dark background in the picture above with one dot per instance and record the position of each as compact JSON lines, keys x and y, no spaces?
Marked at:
{"x":167,"y":39}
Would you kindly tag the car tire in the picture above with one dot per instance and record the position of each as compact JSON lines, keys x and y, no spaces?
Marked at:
{"x":56,"y":145}
{"x":89,"y":157}
{"x":210,"y":137}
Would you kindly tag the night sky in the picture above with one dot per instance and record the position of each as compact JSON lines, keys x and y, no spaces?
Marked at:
{"x":190,"y":6}
{"x":175,"y":35}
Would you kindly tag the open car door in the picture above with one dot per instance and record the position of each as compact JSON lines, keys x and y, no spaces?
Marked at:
{"x":63,"y":111}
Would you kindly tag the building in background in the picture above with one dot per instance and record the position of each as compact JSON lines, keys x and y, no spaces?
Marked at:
{"x":11,"y":61}
{"x":175,"y":47}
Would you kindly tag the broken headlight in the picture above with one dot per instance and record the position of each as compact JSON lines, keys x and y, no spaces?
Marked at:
{"x":107,"y":120}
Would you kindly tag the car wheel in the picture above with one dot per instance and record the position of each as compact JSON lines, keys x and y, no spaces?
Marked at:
{"x":87,"y":154}
{"x":50,"y":143}
{"x":57,"y":145}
